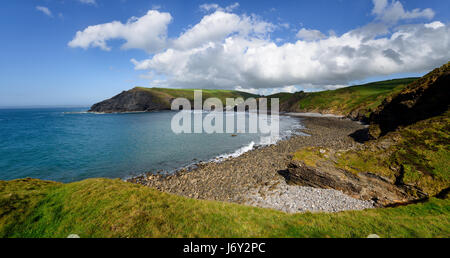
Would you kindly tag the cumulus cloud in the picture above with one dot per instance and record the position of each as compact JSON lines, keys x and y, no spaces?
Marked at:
{"x":215,"y":27}
{"x":231,"y":51}
{"x":148,"y":32}
{"x":310,"y":35}
{"x":44,"y":10}
{"x":394,"y":11}
{"x":259,"y":63}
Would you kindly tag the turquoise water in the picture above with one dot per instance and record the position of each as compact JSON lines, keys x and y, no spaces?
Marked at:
{"x":65,"y":144}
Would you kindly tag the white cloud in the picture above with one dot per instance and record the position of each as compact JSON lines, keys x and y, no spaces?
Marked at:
{"x":44,"y":10}
{"x":290,"y":89}
{"x":310,"y":35}
{"x":148,"y":32}
{"x":92,"y":2}
{"x":209,"y":7}
{"x":268,"y":91}
{"x":217,"y":26}
{"x":394,"y":11}
{"x":231,"y":7}
{"x":327,"y":63}
{"x":231,"y":51}
{"x":435,"y":25}
{"x":216,"y":7}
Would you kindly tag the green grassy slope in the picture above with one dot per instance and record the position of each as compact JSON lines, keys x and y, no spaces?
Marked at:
{"x":167,"y":94}
{"x":113,"y":208}
{"x":418,"y":154}
{"x":344,"y":101}
{"x":356,"y":101}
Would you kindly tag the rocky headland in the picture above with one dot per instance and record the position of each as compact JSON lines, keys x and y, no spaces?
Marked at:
{"x":140,"y":99}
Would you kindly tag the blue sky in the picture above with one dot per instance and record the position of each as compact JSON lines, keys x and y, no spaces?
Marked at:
{"x":258,"y":46}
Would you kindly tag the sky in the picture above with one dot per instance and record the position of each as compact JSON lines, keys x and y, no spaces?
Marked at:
{"x":79,"y":52}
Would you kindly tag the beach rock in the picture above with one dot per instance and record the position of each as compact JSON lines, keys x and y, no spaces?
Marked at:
{"x":364,"y":186}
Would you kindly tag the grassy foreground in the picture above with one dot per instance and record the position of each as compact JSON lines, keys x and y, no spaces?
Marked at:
{"x":113,"y":208}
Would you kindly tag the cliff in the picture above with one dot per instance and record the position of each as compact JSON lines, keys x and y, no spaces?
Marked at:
{"x":141,"y":99}
{"x":422,"y":99}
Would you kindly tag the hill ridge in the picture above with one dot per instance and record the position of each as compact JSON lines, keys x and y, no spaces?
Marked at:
{"x":141,"y":99}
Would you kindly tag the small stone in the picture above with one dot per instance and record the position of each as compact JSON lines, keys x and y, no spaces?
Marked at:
{"x":73,"y":236}
{"x":373,"y":236}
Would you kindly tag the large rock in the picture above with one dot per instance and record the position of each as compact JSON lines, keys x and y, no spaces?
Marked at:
{"x":364,"y":186}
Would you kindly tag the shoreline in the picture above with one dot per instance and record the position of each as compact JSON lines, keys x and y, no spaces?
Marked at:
{"x":254,"y":178}
{"x":313,"y":114}
{"x":251,"y":146}
{"x":229,"y":155}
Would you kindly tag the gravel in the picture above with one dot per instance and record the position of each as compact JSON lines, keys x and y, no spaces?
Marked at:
{"x":294,"y":199}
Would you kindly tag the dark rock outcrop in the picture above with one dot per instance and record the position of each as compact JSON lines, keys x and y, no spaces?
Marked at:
{"x":359,"y":115}
{"x":427,"y":97}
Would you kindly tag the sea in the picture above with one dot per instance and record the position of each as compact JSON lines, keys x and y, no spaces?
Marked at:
{"x":70,"y":144}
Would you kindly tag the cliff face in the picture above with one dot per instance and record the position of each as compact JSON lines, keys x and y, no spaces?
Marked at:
{"x":152,"y":99}
{"x":427,"y":97}
{"x":132,"y":101}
